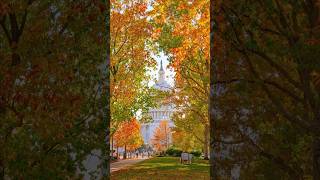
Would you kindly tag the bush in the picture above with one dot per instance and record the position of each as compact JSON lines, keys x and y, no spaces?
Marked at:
{"x":174,"y":152}
{"x":196,"y":153}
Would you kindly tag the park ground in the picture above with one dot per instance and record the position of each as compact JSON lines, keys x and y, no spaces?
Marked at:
{"x":164,"y":168}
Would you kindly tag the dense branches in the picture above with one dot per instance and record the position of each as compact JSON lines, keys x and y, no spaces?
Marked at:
{"x":51,"y":90}
{"x":264,"y":52}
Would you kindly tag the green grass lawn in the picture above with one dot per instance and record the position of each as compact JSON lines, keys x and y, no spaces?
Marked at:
{"x":168,"y":168}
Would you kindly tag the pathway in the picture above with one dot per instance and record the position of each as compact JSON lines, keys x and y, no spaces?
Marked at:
{"x":125,"y":163}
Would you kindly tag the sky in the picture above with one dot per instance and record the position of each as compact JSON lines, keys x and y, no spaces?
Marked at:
{"x":169,"y":71}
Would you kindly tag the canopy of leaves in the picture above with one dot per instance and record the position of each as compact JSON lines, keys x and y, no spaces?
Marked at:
{"x":51,"y":73}
{"x":130,"y":60}
{"x":128,"y":135}
{"x":182,"y":32}
{"x":162,"y":135}
{"x":267,"y":105}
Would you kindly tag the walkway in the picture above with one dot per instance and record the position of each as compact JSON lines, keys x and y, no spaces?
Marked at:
{"x":121,"y":164}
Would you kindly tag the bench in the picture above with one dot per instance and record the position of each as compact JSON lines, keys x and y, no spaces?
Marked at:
{"x":186,"y":158}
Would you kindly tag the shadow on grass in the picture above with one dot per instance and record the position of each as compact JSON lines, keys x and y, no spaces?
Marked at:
{"x":165,"y":168}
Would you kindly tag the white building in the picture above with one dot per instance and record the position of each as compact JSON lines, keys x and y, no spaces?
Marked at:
{"x":163,"y":112}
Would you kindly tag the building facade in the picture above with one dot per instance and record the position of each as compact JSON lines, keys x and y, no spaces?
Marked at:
{"x":162,"y":112}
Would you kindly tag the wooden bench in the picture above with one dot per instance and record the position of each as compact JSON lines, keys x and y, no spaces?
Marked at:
{"x":186,"y":158}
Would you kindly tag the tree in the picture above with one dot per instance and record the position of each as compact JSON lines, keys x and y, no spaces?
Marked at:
{"x":130,"y":31}
{"x":162,"y":135}
{"x":185,"y":141}
{"x":52,"y":56}
{"x":193,"y":123}
{"x":182,"y":32}
{"x":264,"y":58}
{"x":128,"y":136}
{"x":130,"y":60}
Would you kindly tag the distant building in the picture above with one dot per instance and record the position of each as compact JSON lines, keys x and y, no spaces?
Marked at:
{"x":163,"y":112}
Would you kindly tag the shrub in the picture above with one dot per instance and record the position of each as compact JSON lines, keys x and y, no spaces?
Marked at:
{"x":196,"y":153}
{"x":174,"y":152}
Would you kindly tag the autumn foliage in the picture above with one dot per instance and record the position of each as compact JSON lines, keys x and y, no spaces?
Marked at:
{"x":50,"y":87}
{"x":182,"y":29}
{"x":128,"y":135}
{"x":182,"y":32}
{"x":162,"y":136}
{"x":266,"y":112}
{"x":129,"y":31}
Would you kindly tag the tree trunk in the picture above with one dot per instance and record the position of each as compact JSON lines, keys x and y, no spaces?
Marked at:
{"x":107,"y":112}
{"x":1,"y":170}
{"x":316,"y":158}
{"x":206,"y":142}
{"x":112,"y":151}
{"x":112,"y":144}
{"x":125,"y":152}
{"x":213,"y":170}
{"x":211,"y":110}
{"x":117,"y":152}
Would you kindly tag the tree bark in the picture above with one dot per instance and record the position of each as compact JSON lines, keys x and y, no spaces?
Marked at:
{"x":107,"y":112}
{"x":1,"y":170}
{"x":206,"y":143}
{"x":112,"y":145}
{"x":212,"y":106}
{"x":316,"y":158}
{"x":125,"y":152}
{"x":117,"y":152}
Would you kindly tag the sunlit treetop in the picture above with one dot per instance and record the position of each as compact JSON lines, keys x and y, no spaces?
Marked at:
{"x":182,"y":29}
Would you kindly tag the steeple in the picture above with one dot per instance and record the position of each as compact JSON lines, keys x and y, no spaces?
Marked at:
{"x":161,"y":74}
{"x":161,"y":83}
{"x":161,"y":68}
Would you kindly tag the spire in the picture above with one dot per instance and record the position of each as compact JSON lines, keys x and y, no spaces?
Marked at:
{"x":161,"y":67}
{"x":161,"y":83}
{"x":161,"y":73}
